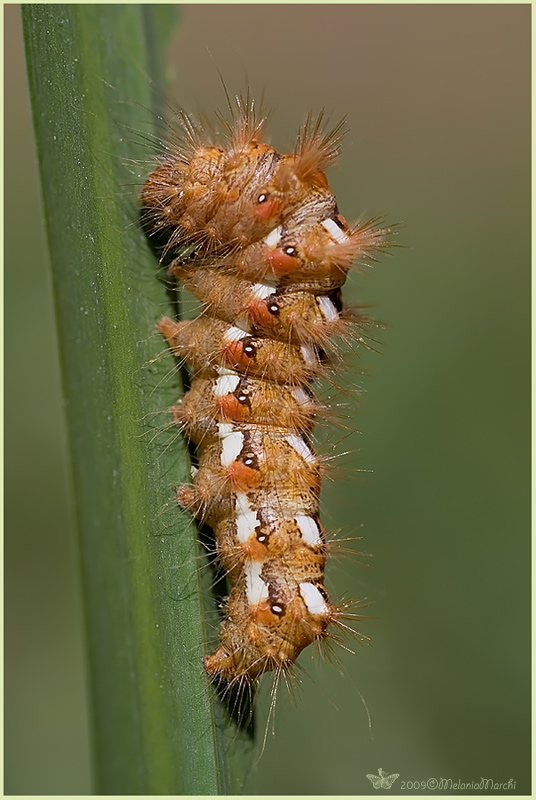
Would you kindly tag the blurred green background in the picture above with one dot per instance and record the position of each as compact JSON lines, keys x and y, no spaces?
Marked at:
{"x":437,"y":481}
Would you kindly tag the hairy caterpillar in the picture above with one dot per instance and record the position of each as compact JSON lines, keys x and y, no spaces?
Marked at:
{"x":258,"y":238}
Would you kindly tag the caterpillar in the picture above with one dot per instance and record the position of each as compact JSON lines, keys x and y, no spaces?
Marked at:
{"x":258,"y":238}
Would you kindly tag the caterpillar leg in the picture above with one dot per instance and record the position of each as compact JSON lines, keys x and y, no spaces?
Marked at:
{"x":171,"y":331}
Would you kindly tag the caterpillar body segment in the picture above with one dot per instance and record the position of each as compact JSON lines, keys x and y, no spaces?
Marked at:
{"x":233,"y":398}
{"x":210,"y":344}
{"x":265,"y":309}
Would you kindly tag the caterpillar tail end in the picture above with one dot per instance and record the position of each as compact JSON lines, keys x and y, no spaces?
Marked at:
{"x":224,"y":668}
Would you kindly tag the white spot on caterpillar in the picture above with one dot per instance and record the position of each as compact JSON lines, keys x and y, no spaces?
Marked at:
{"x":224,"y":429}
{"x":313,"y":599}
{"x":256,"y":589}
{"x":245,"y":526}
{"x":301,"y":396}
{"x":243,"y":324}
{"x":301,"y":448}
{"x":232,"y":444}
{"x":334,"y":231}
{"x":273,"y":237}
{"x":309,"y":355}
{"x":242,"y":503}
{"x":234,"y":334}
{"x":246,"y":518}
{"x":309,"y":530}
{"x":327,"y":308}
{"x":261,"y":291}
{"x":226,"y":383}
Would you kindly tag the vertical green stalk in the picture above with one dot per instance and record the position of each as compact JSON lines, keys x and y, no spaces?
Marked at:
{"x":157,"y":728}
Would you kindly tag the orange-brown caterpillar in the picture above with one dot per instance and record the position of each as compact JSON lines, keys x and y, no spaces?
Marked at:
{"x":262,"y":244}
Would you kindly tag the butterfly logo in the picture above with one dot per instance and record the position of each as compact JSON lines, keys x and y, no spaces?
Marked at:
{"x":383,"y":780}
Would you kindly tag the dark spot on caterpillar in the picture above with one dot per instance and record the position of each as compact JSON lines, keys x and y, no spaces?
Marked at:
{"x":272,"y":307}
{"x":274,"y":593}
{"x":322,"y":591}
{"x":336,"y":299}
{"x":322,"y":354}
{"x":249,"y":459}
{"x":242,"y":394}
{"x":339,"y":220}
{"x":247,"y":455}
{"x":321,"y":532}
{"x":262,"y":530}
{"x":248,"y":347}
{"x":261,"y":536}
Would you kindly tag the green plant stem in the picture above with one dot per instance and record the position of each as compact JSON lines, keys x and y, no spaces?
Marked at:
{"x":157,"y":728}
